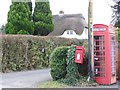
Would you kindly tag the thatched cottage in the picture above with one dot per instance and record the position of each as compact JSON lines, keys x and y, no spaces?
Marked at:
{"x":70,"y":26}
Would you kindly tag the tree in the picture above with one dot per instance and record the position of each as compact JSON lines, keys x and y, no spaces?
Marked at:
{"x":30,"y":5}
{"x":42,"y":19}
{"x":19,"y":19}
{"x":116,"y":17}
{"x":116,"y":13}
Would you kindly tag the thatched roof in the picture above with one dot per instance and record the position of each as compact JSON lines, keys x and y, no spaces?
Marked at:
{"x":64,"y":22}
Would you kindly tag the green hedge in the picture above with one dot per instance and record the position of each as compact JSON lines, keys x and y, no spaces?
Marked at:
{"x":26,"y":52}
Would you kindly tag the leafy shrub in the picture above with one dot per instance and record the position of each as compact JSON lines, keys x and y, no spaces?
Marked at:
{"x":58,"y":62}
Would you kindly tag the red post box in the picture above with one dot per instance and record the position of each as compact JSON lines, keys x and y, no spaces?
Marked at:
{"x":79,"y":54}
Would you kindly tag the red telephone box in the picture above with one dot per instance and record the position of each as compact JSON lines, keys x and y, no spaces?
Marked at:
{"x":79,"y":54}
{"x":104,"y":54}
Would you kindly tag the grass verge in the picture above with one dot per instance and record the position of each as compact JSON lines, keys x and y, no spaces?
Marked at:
{"x":52,"y":84}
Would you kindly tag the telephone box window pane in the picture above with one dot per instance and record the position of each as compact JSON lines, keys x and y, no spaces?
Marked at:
{"x":99,"y":75}
{"x":113,"y":43}
{"x":100,"y":72}
{"x":99,"y":64}
{"x":101,"y":42}
{"x":100,"y":53}
{"x":99,"y":69}
{"x":113,"y":54}
{"x":100,"y":48}
{"x":112,"y":37}
{"x":98,"y":37}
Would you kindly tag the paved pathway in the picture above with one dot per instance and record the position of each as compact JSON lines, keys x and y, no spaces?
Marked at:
{"x":24,"y":79}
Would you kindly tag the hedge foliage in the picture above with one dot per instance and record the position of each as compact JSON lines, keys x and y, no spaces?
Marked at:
{"x":26,"y":52}
{"x":63,"y":67}
{"x":58,"y":62}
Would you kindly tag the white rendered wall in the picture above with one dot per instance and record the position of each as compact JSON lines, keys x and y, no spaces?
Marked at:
{"x":67,"y":34}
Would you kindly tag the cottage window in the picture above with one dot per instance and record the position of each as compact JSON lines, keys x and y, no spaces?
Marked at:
{"x":68,"y":32}
{"x":71,"y":32}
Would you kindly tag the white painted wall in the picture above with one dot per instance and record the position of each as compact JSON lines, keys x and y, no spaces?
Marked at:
{"x":72,"y":34}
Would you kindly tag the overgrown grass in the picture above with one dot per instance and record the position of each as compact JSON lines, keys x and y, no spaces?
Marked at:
{"x":80,"y":82}
{"x":52,"y":84}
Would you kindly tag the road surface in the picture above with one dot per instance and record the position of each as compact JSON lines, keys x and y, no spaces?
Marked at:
{"x":30,"y":79}
{"x":27,"y":79}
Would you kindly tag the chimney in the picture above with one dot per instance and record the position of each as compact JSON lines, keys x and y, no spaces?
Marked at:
{"x":61,"y":12}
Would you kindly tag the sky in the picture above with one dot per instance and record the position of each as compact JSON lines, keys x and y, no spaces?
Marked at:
{"x":101,"y":9}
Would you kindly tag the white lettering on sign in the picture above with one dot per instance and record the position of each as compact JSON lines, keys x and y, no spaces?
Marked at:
{"x":78,"y":56}
{"x":99,"y":29}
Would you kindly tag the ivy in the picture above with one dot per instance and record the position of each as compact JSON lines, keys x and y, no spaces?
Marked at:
{"x":72,"y":69}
